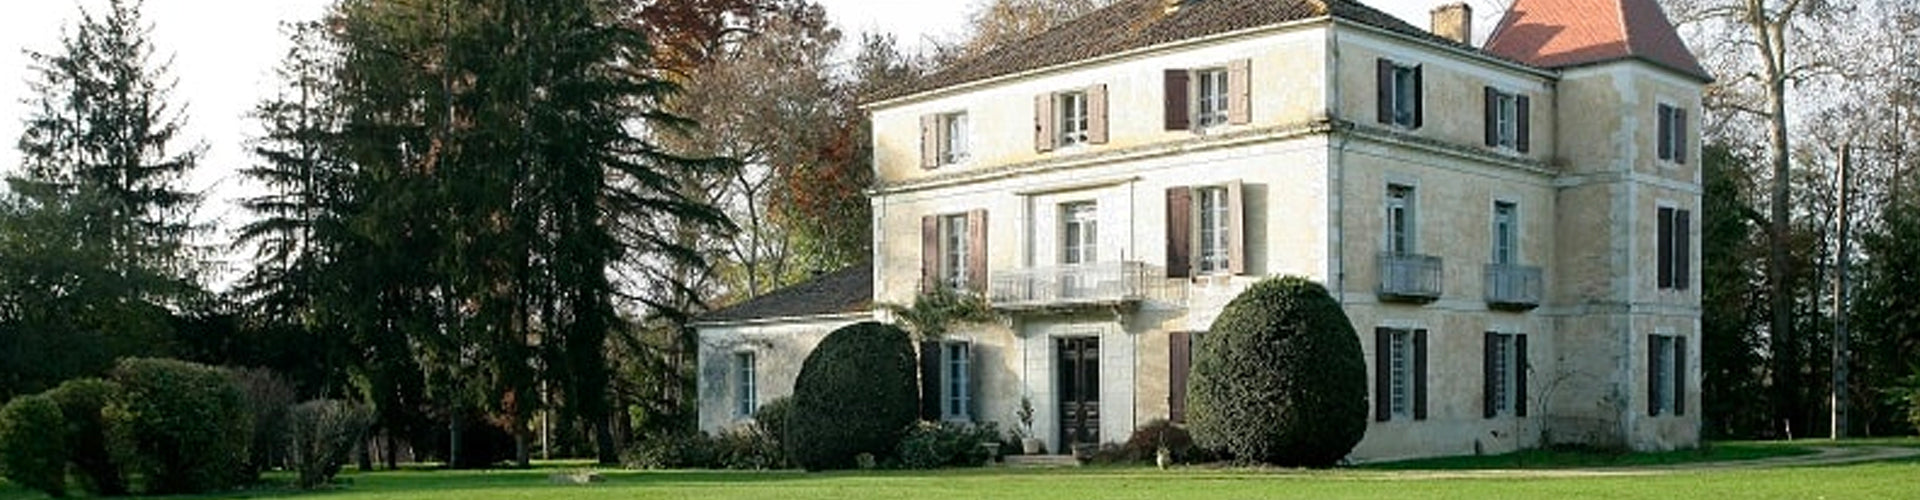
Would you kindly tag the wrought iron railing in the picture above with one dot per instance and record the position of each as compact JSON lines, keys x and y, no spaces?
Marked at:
{"x":1409,"y":277}
{"x":1079,"y":284}
{"x":1513,"y":286}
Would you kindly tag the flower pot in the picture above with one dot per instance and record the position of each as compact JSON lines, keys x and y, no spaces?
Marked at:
{"x":1031,"y":446}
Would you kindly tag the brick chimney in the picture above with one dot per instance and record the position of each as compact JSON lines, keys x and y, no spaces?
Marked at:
{"x":1454,"y":21}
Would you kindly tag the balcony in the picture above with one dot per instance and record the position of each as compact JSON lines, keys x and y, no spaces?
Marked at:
{"x":1513,"y":288}
{"x":1407,"y":277}
{"x":1079,"y":285}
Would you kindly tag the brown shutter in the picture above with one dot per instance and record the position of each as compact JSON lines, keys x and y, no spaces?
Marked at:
{"x":1523,"y":124}
{"x":1179,"y":231}
{"x":1679,"y":375}
{"x":1179,"y":364}
{"x":1383,"y":92}
{"x":1240,"y":92}
{"x":1419,"y":374}
{"x":1176,"y":105}
{"x":1665,"y":131}
{"x":1382,"y":374}
{"x":930,"y":381}
{"x":929,"y":141}
{"x":1236,"y":229}
{"x":1653,"y":383}
{"x":1490,"y":375}
{"x":1097,"y":114}
{"x":1664,"y":258}
{"x":977,"y":251}
{"x":1682,"y":249}
{"x":1522,"y":363}
{"x":929,"y":252}
{"x":1680,"y":135}
{"x":1491,"y":110}
{"x":1043,"y":135}
{"x":1419,"y":98}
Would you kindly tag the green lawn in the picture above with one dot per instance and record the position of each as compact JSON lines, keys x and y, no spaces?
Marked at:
{"x":1894,"y":479}
{"x":1563,"y":459}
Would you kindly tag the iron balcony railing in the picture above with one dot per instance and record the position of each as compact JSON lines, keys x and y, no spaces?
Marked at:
{"x":1409,"y":277}
{"x":1100,"y":283}
{"x":1513,"y":287}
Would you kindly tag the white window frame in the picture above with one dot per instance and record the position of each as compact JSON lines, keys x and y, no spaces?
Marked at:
{"x":1073,"y":117}
{"x":1406,"y":91}
{"x":1213,"y":227}
{"x":1210,"y":97}
{"x":955,"y":125}
{"x":1663,"y":396}
{"x":1400,"y":373}
{"x":1507,"y":120}
{"x":1506,"y":233}
{"x":745,"y":383}
{"x":1079,"y":232}
{"x":955,"y":255}
{"x":956,"y":389}
{"x":1506,"y":364}
{"x":1401,"y":222}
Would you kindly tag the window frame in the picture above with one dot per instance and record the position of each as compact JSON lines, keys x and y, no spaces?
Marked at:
{"x":746,"y":385}
{"x":1401,"y":225}
{"x":955,"y":251}
{"x":1505,"y":233}
{"x":956,"y":375}
{"x":1083,"y":216}
{"x":1400,"y":373}
{"x":1663,"y":378}
{"x":956,"y":131}
{"x":1506,"y":364}
{"x":1212,"y":96}
{"x":1670,"y":137}
{"x":1406,"y":94}
{"x":1507,"y":120}
{"x":1213,"y":226}
{"x":1073,"y":118}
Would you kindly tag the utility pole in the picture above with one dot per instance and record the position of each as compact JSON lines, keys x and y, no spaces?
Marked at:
{"x":1840,"y":355}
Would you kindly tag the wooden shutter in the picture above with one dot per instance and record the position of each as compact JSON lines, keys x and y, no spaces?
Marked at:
{"x":1176,"y":103}
{"x":1419,"y":374}
{"x":1097,"y":114}
{"x":929,"y":252}
{"x":1419,"y":98}
{"x":1679,"y":375}
{"x":1490,"y":375}
{"x":1491,"y":110}
{"x":1179,"y":364}
{"x":1523,"y":124}
{"x":1179,"y":231}
{"x":1522,"y":363}
{"x":1682,"y":249}
{"x":930,"y":141}
{"x":1240,"y":92}
{"x":1665,"y":132}
{"x":930,"y":381}
{"x":977,"y":251}
{"x":1236,"y":229}
{"x":1664,"y":258}
{"x":1680,"y":135}
{"x":1382,"y":374}
{"x":1043,"y":135}
{"x":1383,"y":93}
{"x":1653,"y":382}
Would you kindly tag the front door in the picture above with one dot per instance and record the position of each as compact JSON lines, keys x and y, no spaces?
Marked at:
{"x":1079,"y":391}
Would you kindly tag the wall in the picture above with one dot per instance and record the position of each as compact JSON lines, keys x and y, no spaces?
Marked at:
{"x":779,"y":347}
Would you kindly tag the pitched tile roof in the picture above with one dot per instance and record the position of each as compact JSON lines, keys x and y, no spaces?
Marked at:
{"x":1562,"y":33}
{"x":848,"y":290}
{"x":1134,"y":24}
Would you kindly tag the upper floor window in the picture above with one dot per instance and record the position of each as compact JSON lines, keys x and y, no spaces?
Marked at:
{"x":953,"y":245}
{"x":744,"y":384}
{"x":1071,"y":117}
{"x":1506,"y":374}
{"x":1210,"y":97}
{"x":943,"y":139}
{"x":1507,"y":120}
{"x":1675,"y":252}
{"x":953,"y":251}
{"x":1400,"y":223}
{"x":1079,"y":228}
{"x":1206,"y":230}
{"x":1400,"y":366}
{"x":1505,"y":232}
{"x":1215,"y":232}
{"x":1399,"y":94}
{"x":1203,"y":98}
{"x":1666,"y":375}
{"x":1673,"y":134}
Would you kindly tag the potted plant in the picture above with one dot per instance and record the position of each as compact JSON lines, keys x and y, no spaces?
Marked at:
{"x":1029,"y":444}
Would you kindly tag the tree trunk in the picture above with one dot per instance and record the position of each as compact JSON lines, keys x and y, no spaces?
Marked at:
{"x":603,"y":440}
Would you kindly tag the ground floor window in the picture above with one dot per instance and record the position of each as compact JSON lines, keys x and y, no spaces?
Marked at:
{"x":744,"y":385}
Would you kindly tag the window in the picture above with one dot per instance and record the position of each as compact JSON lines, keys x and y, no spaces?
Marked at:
{"x":1400,"y":372}
{"x":744,"y":384}
{"x":1400,"y":356}
{"x":1079,"y":227}
{"x":1503,"y":119}
{"x":1399,"y":94}
{"x":1675,"y":252}
{"x":1073,"y":118}
{"x":1215,"y":229}
{"x":1210,"y":97}
{"x":957,"y":393}
{"x":953,"y":146}
{"x":1506,"y":374}
{"x":954,"y":251}
{"x":1400,"y":203}
{"x":1505,"y":232}
{"x":1666,"y":375}
{"x":1673,"y":134}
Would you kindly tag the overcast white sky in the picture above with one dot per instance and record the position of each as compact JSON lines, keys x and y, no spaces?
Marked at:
{"x":224,"y":51}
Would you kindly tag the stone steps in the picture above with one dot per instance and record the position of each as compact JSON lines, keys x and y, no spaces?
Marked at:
{"x":1041,"y":461}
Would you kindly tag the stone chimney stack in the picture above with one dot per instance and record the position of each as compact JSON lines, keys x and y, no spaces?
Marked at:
{"x":1454,"y":21}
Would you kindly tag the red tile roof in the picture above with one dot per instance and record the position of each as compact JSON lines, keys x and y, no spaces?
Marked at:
{"x":1562,"y":33}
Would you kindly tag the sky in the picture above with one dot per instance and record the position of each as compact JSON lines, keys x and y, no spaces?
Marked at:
{"x":223,"y":53}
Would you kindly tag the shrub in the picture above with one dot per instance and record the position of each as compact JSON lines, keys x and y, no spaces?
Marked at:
{"x":771,"y":422}
{"x":1279,"y":378}
{"x":83,"y":402}
{"x":856,"y":393}
{"x":185,"y":425}
{"x":932,"y":445}
{"x":269,"y":397}
{"x":322,"y":434}
{"x":747,"y":448}
{"x":693,"y":450}
{"x":33,"y":445}
{"x":1145,"y":443}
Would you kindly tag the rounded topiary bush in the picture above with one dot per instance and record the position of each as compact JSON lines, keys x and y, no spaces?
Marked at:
{"x":83,"y":401}
{"x":855,"y":394}
{"x":1279,"y":378}
{"x":186,"y":425}
{"x":33,"y":448}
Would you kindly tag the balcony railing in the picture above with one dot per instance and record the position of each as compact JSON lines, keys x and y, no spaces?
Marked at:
{"x":1514,"y":288}
{"x":1067,"y":286}
{"x":1406,"y":277}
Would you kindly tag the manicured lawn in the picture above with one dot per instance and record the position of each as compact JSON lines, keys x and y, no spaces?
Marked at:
{"x":1894,"y":479}
{"x":1562,"y":459}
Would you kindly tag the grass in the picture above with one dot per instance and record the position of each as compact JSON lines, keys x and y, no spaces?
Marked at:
{"x":1581,"y":459}
{"x":1439,"y":480}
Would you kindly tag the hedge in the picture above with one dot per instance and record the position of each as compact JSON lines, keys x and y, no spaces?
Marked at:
{"x":93,"y":452}
{"x":186,"y":425}
{"x":856,"y":394}
{"x":33,"y":445}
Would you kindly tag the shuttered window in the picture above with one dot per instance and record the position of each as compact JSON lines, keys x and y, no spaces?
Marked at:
{"x":957,"y":381}
{"x":1507,"y":120}
{"x":1504,"y":368}
{"x":1400,"y":374}
{"x":1666,"y":375}
{"x":1398,"y":94}
{"x":954,"y":251}
{"x":1672,"y":133}
{"x":1675,"y":249}
{"x":1206,"y":228}
{"x":1198,"y":99}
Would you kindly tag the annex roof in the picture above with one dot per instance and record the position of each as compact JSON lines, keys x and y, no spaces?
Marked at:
{"x":848,"y":290}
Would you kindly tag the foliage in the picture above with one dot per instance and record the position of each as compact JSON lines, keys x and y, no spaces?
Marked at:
{"x":269,"y":398}
{"x":748,"y":448}
{"x":936,"y":310}
{"x":856,"y":393}
{"x":1147,"y":441}
{"x":185,"y":425}
{"x":684,"y":450}
{"x":320,"y":435}
{"x":83,"y":403}
{"x":1730,"y":363}
{"x":771,"y":419}
{"x":1280,"y":378}
{"x":33,"y":448}
{"x":934,"y":445}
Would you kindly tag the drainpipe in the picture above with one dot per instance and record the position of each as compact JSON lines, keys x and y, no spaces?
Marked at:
{"x":1338,"y":125}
